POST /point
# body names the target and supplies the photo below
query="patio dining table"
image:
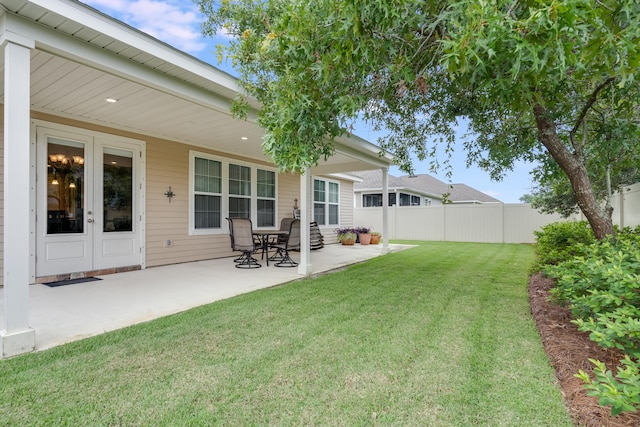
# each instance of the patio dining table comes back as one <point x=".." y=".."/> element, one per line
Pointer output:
<point x="264" y="235"/>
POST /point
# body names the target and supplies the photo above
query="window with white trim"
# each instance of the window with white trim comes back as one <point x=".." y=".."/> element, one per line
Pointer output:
<point x="207" y="190"/>
<point x="221" y="187"/>
<point x="326" y="202"/>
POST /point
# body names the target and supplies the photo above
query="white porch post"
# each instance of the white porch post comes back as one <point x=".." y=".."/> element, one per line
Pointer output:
<point x="16" y="337"/>
<point x="385" y="210"/>
<point x="304" y="267"/>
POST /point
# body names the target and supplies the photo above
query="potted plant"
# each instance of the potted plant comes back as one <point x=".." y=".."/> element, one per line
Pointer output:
<point x="346" y="235"/>
<point x="364" y="235"/>
<point x="375" y="237"/>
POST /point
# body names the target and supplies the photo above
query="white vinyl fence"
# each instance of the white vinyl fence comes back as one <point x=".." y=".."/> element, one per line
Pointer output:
<point x="490" y="223"/>
<point x="626" y="206"/>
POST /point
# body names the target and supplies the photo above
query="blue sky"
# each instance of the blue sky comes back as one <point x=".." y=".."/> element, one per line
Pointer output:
<point x="177" y="22"/>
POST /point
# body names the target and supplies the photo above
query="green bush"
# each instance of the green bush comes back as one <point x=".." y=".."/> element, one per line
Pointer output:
<point x="561" y="241"/>
<point x="621" y="392"/>
<point x="602" y="286"/>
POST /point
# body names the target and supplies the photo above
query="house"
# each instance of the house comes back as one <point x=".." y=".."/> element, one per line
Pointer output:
<point x="119" y="153"/>
<point x="413" y="190"/>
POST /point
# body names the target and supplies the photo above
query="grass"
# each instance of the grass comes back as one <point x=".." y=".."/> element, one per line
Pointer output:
<point x="438" y="335"/>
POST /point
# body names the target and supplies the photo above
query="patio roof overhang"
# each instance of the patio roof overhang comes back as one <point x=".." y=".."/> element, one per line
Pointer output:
<point x="82" y="57"/>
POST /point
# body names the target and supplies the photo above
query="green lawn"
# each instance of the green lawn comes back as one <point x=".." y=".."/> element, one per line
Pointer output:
<point x="438" y="335"/>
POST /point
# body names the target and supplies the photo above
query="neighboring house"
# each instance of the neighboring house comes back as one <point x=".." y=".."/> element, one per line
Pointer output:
<point x="414" y="190"/>
<point x="119" y="153"/>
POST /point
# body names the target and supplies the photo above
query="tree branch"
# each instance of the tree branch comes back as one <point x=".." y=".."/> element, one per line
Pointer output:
<point x="592" y="99"/>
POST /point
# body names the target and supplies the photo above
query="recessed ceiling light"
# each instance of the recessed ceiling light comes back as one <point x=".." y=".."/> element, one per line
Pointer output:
<point x="111" y="100"/>
<point x="244" y="138"/>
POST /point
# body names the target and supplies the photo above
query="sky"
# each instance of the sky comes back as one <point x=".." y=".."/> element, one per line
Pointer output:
<point x="177" y="23"/>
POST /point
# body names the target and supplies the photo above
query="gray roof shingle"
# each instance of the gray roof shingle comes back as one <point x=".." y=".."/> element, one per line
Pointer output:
<point x="423" y="184"/>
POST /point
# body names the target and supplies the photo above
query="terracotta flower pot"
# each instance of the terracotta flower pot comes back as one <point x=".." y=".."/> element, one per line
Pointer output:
<point x="365" y="238"/>
<point x="348" y="242"/>
<point x="375" y="239"/>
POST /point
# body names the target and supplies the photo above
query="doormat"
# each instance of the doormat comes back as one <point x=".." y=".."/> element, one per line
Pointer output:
<point x="71" y="281"/>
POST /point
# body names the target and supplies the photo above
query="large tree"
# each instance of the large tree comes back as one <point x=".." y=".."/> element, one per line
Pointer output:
<point x="525" y="75"/>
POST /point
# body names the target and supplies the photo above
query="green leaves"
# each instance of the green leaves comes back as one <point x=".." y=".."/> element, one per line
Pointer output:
<point x="602" y="287"/>
<point x="523" y="74"/>
<point x="621" y="392"/>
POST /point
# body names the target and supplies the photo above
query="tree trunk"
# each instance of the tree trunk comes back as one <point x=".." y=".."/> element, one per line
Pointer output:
<point x="574" y="167"/>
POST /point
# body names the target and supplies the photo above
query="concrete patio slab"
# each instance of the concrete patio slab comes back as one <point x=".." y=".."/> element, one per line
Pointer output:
<point x="72" y="312"/>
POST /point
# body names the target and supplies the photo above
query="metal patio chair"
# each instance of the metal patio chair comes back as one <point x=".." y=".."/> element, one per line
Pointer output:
<point x="241" y="235"/>
<point x="291" y="244"/>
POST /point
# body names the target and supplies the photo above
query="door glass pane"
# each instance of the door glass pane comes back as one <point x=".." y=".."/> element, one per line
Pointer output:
<point x="117" y="182"/>
<point x="65" y="186"/>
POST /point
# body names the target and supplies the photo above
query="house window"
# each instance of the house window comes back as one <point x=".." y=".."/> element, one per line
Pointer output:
<point x="371" y="200"/>
<point x="405" y="199"/>
<point x="415" y="200"/>
<point x="326" y="202"/>
<point x="222" y="188"/>
<point x="207" y="189"/>
<point x="266" y="198"/>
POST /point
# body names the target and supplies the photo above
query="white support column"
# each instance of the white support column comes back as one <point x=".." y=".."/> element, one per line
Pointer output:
<point x="385" y="210"/>
<point x="304" y="267"/>
<point x="16" y="337"/>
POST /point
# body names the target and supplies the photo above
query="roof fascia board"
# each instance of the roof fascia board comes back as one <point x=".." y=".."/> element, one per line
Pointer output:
<point x="117" y="30"/>
<point x="59" y="44"/>
<point x="405" y="189"/>
<point x="352" y="148"/>
<point x="346" y="177"/>
<point x="363" y="146"/>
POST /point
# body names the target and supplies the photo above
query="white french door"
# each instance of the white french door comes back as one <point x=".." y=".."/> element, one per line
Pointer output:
<point x="89" y="196"/>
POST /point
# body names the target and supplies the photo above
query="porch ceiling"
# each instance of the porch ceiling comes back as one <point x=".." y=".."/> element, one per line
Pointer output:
<point x="161" y="91"/>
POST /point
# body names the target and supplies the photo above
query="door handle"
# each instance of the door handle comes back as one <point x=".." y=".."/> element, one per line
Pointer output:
<point x="89" y="220"/>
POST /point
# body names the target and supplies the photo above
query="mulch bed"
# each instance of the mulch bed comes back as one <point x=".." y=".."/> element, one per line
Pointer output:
<point x="569" y="351"/>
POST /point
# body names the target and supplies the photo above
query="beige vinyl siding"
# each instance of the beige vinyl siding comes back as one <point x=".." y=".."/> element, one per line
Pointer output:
<point x="168" y="165"/>
<point x="288" y="190"/>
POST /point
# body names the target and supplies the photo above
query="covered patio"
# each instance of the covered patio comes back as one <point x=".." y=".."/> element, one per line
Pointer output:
<point x="121" y="151"/>
<point x="72" y="312"/>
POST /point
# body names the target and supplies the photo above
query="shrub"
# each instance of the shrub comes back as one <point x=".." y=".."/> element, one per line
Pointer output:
<point x="602" y="287"/>
<point x="560" y="241"/>
<point x="621" y="391"/>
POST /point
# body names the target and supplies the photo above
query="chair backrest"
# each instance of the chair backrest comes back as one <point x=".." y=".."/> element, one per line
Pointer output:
<point x="285" y="224"/>
<point x="241" y="232"/>
<point x="293" y="241"/>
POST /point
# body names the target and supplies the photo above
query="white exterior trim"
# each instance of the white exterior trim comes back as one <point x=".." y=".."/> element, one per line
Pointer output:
<point x="17" y="337"/>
